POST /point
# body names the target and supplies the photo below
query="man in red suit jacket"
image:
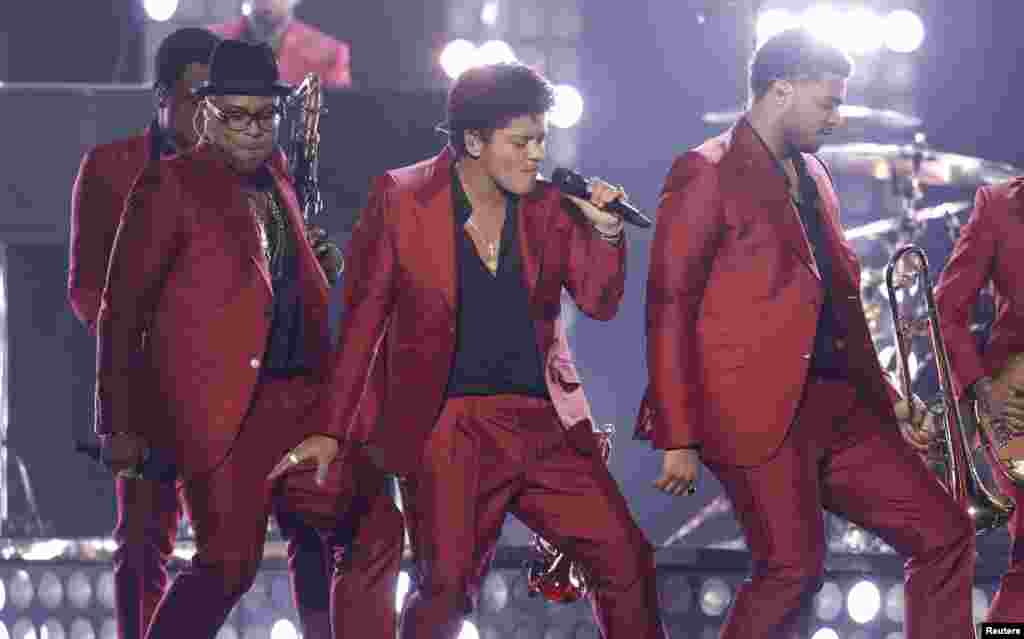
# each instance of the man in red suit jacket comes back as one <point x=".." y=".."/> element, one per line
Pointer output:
<point x="213" y="341"/>
<point x="989" y="249"/>
<point x="761" y="364"/>
<point x="300" y="48"/>
<point x="463" y="259"/>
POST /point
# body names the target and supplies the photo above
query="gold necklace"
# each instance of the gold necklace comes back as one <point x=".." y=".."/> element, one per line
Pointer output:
<point x="491" y="261"/>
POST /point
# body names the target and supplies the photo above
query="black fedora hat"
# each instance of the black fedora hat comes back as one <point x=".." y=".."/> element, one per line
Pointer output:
<point x="243" y="68"/>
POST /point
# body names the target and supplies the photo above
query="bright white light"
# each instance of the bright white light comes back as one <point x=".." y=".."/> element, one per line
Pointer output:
<point x="283" y="629"/>
<point x="160" y="10"/>
<point x="864" y="601"/>
<point x="469" y="631"/>
<point x="82" y="629"/>
<point x="21" y="589"/>
<point x="825" y="22"/>
<point x="979" y="604"/>
<point x="457" y="57"/>
<point x="246" y="9"/>
<point x="45" y="550"/>
<point x="904" y="31"/>
<point x="715" y="596"/>
<point x="51" y="629"/>
<point x="773" y="22"/>
<point x="862" y="31"/>
<point x="825" y="633"/>
<point x="894" y="604"/>
<point x="227" y="631"/>
<point x="3" y="631"/>
<point x="828" y="602"/>
<point x="23" y="629"/>
<point x="568" y="107"/>
<point x="401" y="590"/>
<point x="495" y="52"/>
<point x="489" y="13"/>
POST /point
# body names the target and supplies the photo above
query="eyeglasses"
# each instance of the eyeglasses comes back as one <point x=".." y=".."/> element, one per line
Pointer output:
<point x="240" y="120"/>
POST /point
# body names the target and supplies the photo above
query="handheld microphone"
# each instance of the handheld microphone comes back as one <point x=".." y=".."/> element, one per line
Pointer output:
<point x="572" y="183"/>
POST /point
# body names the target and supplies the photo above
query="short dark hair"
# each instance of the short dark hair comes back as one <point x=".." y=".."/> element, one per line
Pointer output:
<point x="178" y="50"/>
<point x="795" y="54"/>
<point x="487" y="97"/>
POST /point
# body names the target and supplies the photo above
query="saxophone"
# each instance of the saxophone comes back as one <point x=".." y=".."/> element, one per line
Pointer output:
<point x="553" y="575"/>
<point x="304" y="146"/>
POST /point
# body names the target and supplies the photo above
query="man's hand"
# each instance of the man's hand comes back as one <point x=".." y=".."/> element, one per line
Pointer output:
<point x="320" y="449"/>
<point x="601" y="195"/>
<point x="921" y="432"/>
<point x="123" y="452"/>
<point x="327" y="253"/>
<point x="679" y="470"/>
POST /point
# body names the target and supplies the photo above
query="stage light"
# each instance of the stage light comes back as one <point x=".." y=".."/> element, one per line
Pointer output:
<point x="51" y="591"/>
<point x="51" y="629"/>
<point x="21" y="589"/>
<point x="402" y="590"/>
<point x="3" y="588"/>
<point x="283" y="629"/>
<point x="3" y="631"/>
<point x="81" y="628"/>
<point x="494" y="52"/>
<point x="825" y="633"/>
<point x="489" y="13"/>
<point x="457" y="56"/>
<point x="468" y="631"/>
<point x="160" y="10"/>
<point x="863" y="601"/>
<point x="23" y="629"/>
<point x="494" y="593"/>
<point x="568" y="107"/>
<point x="109" y="629"/>
<point x="825" y="22"/>
<point x="862" y="31"/>
<point x="894" y="605"/>
<point x="79" y="590"/>
<point x="227" y="631"/>
<point x="246" y="9"/>
<point x="904" y="31"/>
<point x="773" y="22"/>
<point x="828" y="603"/>
<point x="105" y="589"/>
<point x="979" y="604"/>
<point x="715" y="597"/>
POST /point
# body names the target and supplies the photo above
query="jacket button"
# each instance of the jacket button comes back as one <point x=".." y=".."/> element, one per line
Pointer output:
<point x="269" y="313"/>
<point x="255" y="363"/>
<point x="806" y="356"/>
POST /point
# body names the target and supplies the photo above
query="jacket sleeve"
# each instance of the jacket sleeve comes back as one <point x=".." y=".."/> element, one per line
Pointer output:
<point x="339" y="74"/>
<point x="969" y="268"/>
<point x="95" y="207"/>
<point x="148" y="241"/>
<point x="596" y="277"/>
<point x="368" y="296"/>
<point x="690" y="220"/>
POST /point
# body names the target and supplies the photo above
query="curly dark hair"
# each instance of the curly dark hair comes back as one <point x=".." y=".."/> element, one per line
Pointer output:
<point x="795" y="54"/>
<point x="487" y="97"/>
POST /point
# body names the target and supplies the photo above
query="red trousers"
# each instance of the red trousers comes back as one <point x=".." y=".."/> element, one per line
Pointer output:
<point x="492" y="455"/>
<point x="841" y="457"/>
<point x="229" y="508"/>
<point x="1008" y="604"/>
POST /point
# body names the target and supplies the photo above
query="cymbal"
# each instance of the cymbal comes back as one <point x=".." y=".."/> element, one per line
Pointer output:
<point x="937" y="168"/>
<point x="852" y="114"/>
<point x="880" y="227"/>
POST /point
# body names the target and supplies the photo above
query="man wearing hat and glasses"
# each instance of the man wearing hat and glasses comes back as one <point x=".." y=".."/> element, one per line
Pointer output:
<point x="213" y="343"/>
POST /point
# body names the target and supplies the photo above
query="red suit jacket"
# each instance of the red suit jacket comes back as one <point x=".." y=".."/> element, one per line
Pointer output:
<point x="990" y="247"/>
<point x="184" y="318"/>
<point x="401" y="275"/>
<point x="304" y="49"/>
<point x="733" y="294"/>
<point x="104" y="179"/>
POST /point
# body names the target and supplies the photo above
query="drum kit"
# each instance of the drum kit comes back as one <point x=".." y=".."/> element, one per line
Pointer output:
<point x="907" y="172"/>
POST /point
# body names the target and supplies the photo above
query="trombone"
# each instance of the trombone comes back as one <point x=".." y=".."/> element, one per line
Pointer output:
<point x="988" y="510"/>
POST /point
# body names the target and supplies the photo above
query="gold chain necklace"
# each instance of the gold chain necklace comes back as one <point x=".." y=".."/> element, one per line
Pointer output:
<point x="491" y="261"/>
